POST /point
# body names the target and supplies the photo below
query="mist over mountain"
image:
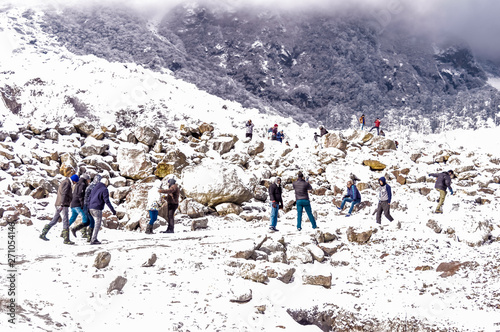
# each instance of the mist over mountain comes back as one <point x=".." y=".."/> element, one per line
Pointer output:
<point x="323" y="65"/>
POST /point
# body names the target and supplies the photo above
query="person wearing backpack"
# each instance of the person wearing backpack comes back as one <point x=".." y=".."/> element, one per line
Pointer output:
<point x="362" y="121"/>
<point x="352" y="195"/>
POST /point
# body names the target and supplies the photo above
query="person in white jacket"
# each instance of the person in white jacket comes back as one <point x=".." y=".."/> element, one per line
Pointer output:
<point x="153" y="205"/>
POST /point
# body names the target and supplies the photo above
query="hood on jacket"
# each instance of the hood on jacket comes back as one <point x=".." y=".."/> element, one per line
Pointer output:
<point x="384" y="181"/>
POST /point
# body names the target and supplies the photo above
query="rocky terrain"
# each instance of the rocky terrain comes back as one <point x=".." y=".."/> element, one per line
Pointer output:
<point x="222" y="270"/>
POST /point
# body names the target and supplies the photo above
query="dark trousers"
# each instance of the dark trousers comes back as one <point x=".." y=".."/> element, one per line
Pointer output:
<point x="378" y="133"/>
<point x="383" y="206"/>
<point x="170" y="216"/>
<point x="249" y="135"/>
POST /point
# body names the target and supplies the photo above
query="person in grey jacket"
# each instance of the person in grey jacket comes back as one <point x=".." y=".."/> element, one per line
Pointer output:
<point x="443" y="182"/>
<point x="301" y="188"/>
<point x="249" y="130"/>
<point x="384" y="200"/>
<point x="63" y="201"/>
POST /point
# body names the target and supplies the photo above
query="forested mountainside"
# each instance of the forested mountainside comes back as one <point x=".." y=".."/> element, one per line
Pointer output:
<point x="317" y="68"/>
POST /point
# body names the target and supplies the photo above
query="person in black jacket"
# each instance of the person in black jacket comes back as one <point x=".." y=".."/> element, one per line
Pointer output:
<point x="301" y="188"/>
<point x="276" y="202"/>
<point x="443" y="182"/>
<point x="98" y="197"/>
<point x="77" y="204"/>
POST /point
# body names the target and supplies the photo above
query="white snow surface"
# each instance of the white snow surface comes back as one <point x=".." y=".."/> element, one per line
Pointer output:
<point x="190" y="286"/>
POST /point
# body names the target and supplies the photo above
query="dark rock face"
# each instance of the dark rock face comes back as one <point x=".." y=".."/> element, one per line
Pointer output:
<point x="313" y="67"/>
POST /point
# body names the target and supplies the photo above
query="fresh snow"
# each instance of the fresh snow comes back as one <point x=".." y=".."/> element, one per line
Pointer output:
<point x="189" y="287"/>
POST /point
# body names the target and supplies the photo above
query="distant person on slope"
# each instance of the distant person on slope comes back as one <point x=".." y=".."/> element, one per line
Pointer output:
<point x="249" y="126"/>
<point x="443" y="182"/>
<point x="276" y="203"/>
<point x="63" y="201"/>
<point x="376" y="126"/>
<point x="274" y="133"/>
<point x="77" y="204"/>
<point x="362" y="121"/>
<point x="352" y="195"/>
<point x="301" y="188"/>
<point x="279" y="136"/>
<point x="384" y="200"/>
<point x="153" y="205"/>
<point x="99" y="197"/>
<point x="173" y="193"/>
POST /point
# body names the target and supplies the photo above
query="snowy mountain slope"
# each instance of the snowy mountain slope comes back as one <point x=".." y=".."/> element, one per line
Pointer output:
<point x="374" y="285"/>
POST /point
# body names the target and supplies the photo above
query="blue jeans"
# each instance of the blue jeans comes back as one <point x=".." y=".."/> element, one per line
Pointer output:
<point x="274" y="214"/>
<point x="90" y="219"/>
<point x="348" y="200"/>
<point x="75" y="211"/>
<point x="304" y="204"/>
<point x="153" y="215"/>
<point x="362" y="126"/>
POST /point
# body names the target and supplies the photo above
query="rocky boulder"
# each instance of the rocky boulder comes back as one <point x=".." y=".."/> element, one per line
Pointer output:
<point x="374" y="165"/>
<point x="192" y="208"/>
<point x="318" y="280"/>
<point x="133" y="162"/>
<point x="147" y="135"/>
<point x="102" y="260"/>
<point x="298" y="254"/>
<point x="255" y="147"/>
<point x="228" y="208"/>
<point x="333" y="140"/>
<point x="82" y="126"/>
<point x="223" y="144"/>
<point x="215" y="183"/>
<point x="93" y="146"/>
<point x="359" y="238"/>
<point x="199" y="223"/>
<point x="173" y="162"/>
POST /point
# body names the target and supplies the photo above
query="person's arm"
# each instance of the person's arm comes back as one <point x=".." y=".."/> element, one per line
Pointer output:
<point x="434" y="175"/>
<point x="105" y="196"/>
<point x="389" y="194"/>
<point x="447" y="183"/>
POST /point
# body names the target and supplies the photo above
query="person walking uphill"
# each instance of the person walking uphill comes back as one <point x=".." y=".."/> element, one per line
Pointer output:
<point x="173" y="193"/>
<point x="275" y="191"/>
<point x="153" y="205"/>
<point x="384" y="200"/>
<point x="301" y="188"/>
<point x="249" y="132"/>
<point x="443" y="182"/>
<point x="98" y="197"/>
<point x="353" y="196"/>
<point x="63" y="201"/>
<point x="77" y="204"/>
<point x="376" y="126"/>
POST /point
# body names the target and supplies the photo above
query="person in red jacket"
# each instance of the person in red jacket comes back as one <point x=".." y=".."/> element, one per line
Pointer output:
<point x="377" y="126"/>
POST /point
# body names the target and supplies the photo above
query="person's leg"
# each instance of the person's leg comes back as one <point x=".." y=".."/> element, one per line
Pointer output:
<point x="56" y="216"/>
<point x="299" y="213"/>
<point x="97" y="214"/>
<point x="309" y="214"/>
<point x="171" y="212"/>
<point x="74" y="214"/>
<point x="274" y="215"/>
<point x="64" y="216"/>
<point x="379" y="213"/>
<point x="442" y="196"/>
<point x="153" y="216"/>
<point x="378" y="132"/>
<point x="345" y="200"/>
<point x="387" y="211"/>
<point x="352" y="205"/>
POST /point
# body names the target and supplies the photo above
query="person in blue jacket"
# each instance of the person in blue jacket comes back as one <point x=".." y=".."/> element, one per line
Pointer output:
<point x="98" y="197"/>
<point x="352" y="195"/>
<point x="384" y="200"/>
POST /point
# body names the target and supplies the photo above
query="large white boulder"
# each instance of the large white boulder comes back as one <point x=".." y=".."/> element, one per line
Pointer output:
<point x="133" y="162"/>
<point x="213" y="183"/>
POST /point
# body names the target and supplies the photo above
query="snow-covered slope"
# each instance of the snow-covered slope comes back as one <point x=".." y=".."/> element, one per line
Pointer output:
<point x="390" y="282"/>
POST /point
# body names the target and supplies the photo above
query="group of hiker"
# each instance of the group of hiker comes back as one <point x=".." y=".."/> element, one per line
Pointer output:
<point x="353" y="196"/>
<point x="376" y="125"/>
<point x="87" y="199"/>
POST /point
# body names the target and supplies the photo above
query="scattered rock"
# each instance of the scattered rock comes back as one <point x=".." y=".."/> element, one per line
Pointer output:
<point x="424" y="268"/>
<point x="432" y="224"/>
<point x="117" y="284"/>
<point x="239" y="295"/>
<point x="318" y="280"/>
<point x="102" y="260"/>
<point x="199" y="223"/>
<point x="374" y="165"/>
<point x="359" y="238"/>
<point x="448" y="269"/>
<point x="150" y="261"/>
<point x="147" y="135"/>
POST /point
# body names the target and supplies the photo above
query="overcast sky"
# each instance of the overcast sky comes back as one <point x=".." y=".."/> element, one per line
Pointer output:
<point x="477" y="21"/>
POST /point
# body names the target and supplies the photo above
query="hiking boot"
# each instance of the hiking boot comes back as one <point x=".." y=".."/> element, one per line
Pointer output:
<point x="77" y="228"/>
<point x="272" y="228"/>
<point x="95" y="242"/>
<point x="168" y="231"/>
<point x="84" y="233"/>
<point x="66" y="237"/>
<point x="45" y="230"/>
<point x="89" y="234"/>
<point x="299" y="229"/>
<point x="348" y="215"/>
<point x="398" y="225"/>
<point x="439" y="211"/>
<point x="149" y="229"/>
